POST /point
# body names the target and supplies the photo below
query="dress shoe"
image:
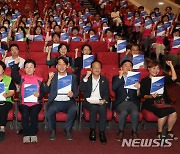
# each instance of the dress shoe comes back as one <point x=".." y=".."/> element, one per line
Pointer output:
<point x="2" y="136"/>
<point x="92" y="135"/>
<point x="134" y="135"/>
<point x="68" y="135"/>
<point x="102" y="137"/>
<point x="120" y="136"/>
<point x="52" y="135"/>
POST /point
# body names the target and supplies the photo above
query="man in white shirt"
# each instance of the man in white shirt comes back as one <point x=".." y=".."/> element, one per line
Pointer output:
<point x="9" y="61"/>
<point x="95" y="89"/>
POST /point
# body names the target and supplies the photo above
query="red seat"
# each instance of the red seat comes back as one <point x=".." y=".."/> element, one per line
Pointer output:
<point x="36" y="46"/>
<point x="11" y="114"/>
<point x="8" y="71"/>
<point x="99" y="46"/>
<point x="149" y="116"/>
<point x="116" y="117"/>
<point x="61" y="116"/>
<point x="39" y="57"/>
<point x="22" y="45"/>
<point x="86" y="115"/>
<point x="21" y="54"/>
<point x="74" y="45"/>
<point x="108" y="58"/>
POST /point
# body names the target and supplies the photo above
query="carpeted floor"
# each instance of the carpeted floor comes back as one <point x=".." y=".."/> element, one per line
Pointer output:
<point x="81" y="145"/>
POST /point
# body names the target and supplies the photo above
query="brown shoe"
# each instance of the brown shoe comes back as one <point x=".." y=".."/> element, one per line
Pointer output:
<point x="120" y="136"/>
<point x="134" y="135"/>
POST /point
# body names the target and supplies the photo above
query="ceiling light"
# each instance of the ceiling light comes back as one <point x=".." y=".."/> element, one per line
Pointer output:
<point x="160" y="3"/>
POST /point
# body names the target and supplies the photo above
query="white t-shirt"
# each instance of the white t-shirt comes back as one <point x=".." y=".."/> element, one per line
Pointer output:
<point x="9" y="61"/>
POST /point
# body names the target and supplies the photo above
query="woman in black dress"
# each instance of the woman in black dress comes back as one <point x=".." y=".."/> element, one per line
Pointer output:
<point x="164" y="114"/>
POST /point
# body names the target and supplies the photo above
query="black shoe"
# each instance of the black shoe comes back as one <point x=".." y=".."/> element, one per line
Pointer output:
<point x="68" y="135"/>
<point x="2" y="136"/>
<point x="120" y="136"/>
<point x="134" y="135"/>
<point x="52" y="135"/>
<point x="102" y="137"/>
<point x="92" y="135"/>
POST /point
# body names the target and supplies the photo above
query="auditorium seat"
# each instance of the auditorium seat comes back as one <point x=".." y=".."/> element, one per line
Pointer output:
<point x="108" y="58"/>
<point x="99" y="46"/>
<point x="39" y="57"/>
<point x="36" y="46"/>
<point x="22" y="45"/>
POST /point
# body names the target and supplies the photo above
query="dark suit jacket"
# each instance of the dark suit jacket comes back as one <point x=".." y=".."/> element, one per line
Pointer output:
<point x="86" y="87"/>
<point x="121" y="93"/>
<point x="52" y="89"/>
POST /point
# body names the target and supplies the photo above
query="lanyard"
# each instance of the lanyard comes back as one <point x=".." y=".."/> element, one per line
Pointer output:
<point x="95" y="87"/>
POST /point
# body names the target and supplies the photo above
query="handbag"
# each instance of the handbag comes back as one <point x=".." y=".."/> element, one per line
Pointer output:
<point x="159" y="102"/>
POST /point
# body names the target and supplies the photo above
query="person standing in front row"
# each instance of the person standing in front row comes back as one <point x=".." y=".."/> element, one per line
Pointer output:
<point x="29" y="108"/>
<point x="61" y="102"/>
<point x="126" y="100"/>
<point x="95" y="86"/>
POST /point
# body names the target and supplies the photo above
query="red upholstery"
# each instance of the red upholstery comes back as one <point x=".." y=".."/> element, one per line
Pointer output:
<point x="86" y="115"/>
<point x="39" y="57"/>
<point x="149" y="116"/>
<point x="22" y="45"/>
<point x="36" y="46"/>
<point x="116" y="117"/>
<point x="108" y="58"/>
<point x="11" y="114"/>
<point x="99" y="46"/>
<point x="8" y="71"/>
<point x="61" y="116"/>
<point x="74" y="45"/>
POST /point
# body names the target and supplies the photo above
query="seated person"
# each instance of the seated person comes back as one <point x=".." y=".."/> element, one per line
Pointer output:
<point x="9" y="61"/>
<point x="62" y="49"/>
<point x="6" y="102"/>
<point x="94" y="85"/>
<point x="166" y="114"/>
<point x="28" y="108"/>
<point x="78" y="62"/>
<point x="61" y="102"/>
<point x="126" y="101"/>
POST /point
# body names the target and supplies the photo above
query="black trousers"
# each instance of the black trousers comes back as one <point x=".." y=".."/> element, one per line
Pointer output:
<point x="4" y="109"/>
<point x="94" y="109"/>
<point x="30" y="119"/>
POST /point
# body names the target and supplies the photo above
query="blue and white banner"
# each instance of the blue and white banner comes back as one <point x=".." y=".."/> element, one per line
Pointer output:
<point x="38" y="38"/>
<point x="58" y="6"/>
<point x="19" y="37"/>
<point x="104" y="20"/>
<point x="176" y="42"/>
<point x="137" y="22"/>
<point x="65" y="37"/>
<point x="57" y="19"/>
<point x="121" y="46"/>
<point x="88" y="14"/>
<point x="155" y="19"/>
<point x="10" y="63"/>
<point x="28" y="22"/>
<point x="14" y="17"/>
<point x="132" y="79"/>
<point x="2" y="51"/>
<point x="161" y="30"/>
<point x="64" y="84"/>
<point x="93" y="38"/>
<point x="29" y="90"/>
<point x="87" y="60"/>
<point x="167" y="25"/>
<point x="76" y="39"/>
<point x="18" y="14"/>
<point x="148" y="24"/>
<point x="55" y="47"/>
<point x="158" y="14"/>
<point x="105" y="28"/>
<point x="2" y="91"/>
<point x="81" y="24"/>
<point x="130" y="15"/>
<point x="86" y="28"/>
<point x="4" y="36"/>
<point x="157" y="85"/>
<point x="123" y="3"/>
<point x="143" y="13"/>
<point x="84" y="18"/>
<point x="138" y="60"/>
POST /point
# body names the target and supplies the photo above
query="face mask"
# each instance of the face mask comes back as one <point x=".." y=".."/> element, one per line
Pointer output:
<point x="6" y="25"/>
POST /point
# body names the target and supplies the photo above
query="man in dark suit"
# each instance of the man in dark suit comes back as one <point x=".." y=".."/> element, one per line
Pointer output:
<point x="126" y="100"/>
<point x="95" y="89"/>
<point x="61" y="102"/>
